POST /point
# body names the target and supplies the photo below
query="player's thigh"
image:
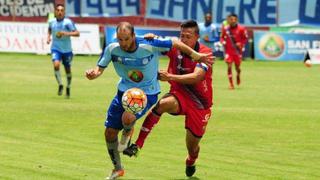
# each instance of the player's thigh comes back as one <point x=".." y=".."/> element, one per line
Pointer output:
<point x="196" y="120"/>
<point x="228" y="58"/>
<point x="169" y="104"/>
<point x="114" y="114"/>
<point x="67" y="60"/>
<point x="128" y="118"/>
<point x="56" y="55"/>
<point x="237" y="60"/>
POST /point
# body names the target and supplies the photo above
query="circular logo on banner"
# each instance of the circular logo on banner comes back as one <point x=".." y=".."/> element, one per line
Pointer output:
<point x="271" y="46"/>
<point x="135" y="75"/>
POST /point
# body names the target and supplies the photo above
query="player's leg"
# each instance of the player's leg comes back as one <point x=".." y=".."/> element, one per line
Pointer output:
<point x="196" y="122"/>
<point x="238" y="70"/>
<point x="111" y="137"/>
<point x="67" y="59"/>
<point x="168" y="104"/>
<point x="113" y="125"/>
<point x="56" y="59"/>
<point x="193" y="147"/>
<point x="229" y="60"/>
<point x="231" y="86"/>
<point x="128" y="121"/>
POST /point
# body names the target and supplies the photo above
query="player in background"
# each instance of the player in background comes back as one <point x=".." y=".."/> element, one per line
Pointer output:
<point x="208" y="32"/>
<point x="61" y="29"/>
<point x="190" y="95"/>
<point x="233" y="37"/>
<point x="135" y="60"/>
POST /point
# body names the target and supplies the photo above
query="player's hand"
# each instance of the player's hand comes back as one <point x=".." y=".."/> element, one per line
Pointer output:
<point x="60" y="34"/>
<point x="163" y="75"/>
<point x="239" y="45"/>
<point x="48" y="40"/>
<point x="150" y="36"/>
<point x="91" y="74"/>
<point x="208" y="59"/>
<point x="206" y="38"/>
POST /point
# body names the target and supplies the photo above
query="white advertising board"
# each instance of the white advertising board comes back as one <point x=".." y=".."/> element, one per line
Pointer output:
<point x="32" y="38"/>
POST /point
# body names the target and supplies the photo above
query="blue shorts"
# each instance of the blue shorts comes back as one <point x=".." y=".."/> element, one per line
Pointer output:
<point x="66" y="58"/>
<point x="116" y="110"/>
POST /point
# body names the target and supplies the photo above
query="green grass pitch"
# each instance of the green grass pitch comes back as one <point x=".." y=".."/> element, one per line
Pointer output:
<point x="266" y="129"/>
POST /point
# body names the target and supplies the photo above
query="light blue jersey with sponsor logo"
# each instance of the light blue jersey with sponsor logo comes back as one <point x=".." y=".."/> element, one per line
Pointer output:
<point x="62" y="44"/>
<point x="139" y="68"/>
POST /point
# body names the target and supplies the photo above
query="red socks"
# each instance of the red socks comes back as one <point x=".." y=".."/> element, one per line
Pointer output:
<point x="146" y="128"/>
<point x="191" y="158"/>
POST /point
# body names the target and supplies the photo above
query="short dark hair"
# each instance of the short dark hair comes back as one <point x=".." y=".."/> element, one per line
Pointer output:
<point x="57" y="5"/>
<point x="125" y="25"/>
<point x="190" y="24"/>
<point x="233" y="15"/>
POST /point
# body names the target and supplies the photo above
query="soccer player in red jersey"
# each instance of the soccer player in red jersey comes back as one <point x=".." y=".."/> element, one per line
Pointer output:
<point x="233" y="37"/>
<point x="190" y="95"/>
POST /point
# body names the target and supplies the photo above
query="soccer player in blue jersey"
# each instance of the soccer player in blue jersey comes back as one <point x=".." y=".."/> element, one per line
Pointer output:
<point x="208" y="32"/>
<point x="61" y="29"/>
<point x="133" y="55"/>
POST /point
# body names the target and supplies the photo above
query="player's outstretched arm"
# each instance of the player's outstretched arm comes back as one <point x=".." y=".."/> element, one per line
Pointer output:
<point x="208" y="59"/>
<point x="94" y="73"/>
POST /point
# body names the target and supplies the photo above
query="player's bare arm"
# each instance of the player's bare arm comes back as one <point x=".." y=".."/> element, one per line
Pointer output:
<point x="64" y="33"/>
<point x="208" y="59"/>
<point x="49" y="36"/>
<point x="94" y="73"/>
<point x="192" y="78"/>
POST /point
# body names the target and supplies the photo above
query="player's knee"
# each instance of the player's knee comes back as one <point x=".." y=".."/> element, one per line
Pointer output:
<point x="161" y="106"/>
<point x="128" y="118"/>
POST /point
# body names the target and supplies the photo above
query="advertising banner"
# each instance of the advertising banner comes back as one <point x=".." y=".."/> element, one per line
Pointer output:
<point x="26" y="8"/>
<point x="250" y="12"/>
<point x="32" y="38"/>
<point x="108" y="8"/>
<point x="283" y="46"/>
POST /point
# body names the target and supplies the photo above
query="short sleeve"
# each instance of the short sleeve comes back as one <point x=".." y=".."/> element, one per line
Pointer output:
<point x="105" y="57"/>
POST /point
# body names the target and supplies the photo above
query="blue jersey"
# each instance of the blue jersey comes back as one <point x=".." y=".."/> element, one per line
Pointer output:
<point x="211" y="32"/>
<point x="62" y="44"/>
<point x="139" y="68"/>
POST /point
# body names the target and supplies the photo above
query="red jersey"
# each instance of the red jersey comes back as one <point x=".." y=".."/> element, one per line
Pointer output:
<point x="230" y="36"/>
<point x="201" y="92"/>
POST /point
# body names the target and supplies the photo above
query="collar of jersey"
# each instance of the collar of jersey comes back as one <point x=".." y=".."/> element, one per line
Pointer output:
<point x="59" y="20"/>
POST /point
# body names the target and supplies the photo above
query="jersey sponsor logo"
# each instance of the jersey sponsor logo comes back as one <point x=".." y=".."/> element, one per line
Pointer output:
<point x="132" y="61"/>
<point x="205" y="121"/>
<point x="135" y="75"/>
<point x="145" y="61"/>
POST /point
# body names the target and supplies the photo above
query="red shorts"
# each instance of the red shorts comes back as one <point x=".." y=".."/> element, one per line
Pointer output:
<point x="230" y="58"/>
<point x="196" y="120"/>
